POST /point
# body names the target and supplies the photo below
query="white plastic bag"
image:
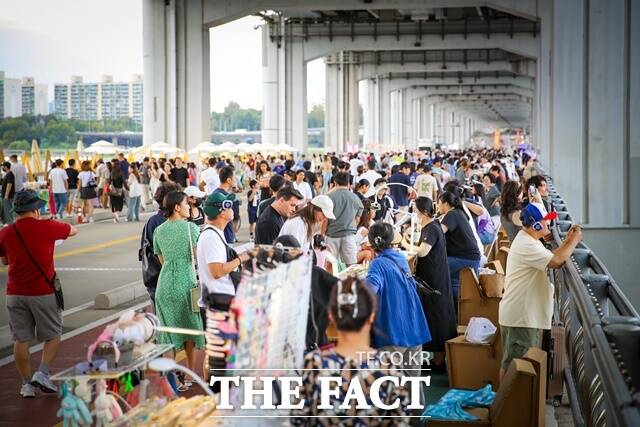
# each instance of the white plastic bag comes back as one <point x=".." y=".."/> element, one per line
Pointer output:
<point x="480" y="330"/>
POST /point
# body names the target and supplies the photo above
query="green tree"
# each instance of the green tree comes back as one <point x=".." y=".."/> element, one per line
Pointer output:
<point x="20" y="145"/>
<point x="59" y="134"/>
<point x="235" y="117"/>
<point x="315" y="118"/>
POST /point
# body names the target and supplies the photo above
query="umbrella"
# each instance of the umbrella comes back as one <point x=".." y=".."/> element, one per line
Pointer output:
<point x="160" y="146"/>
<point x="37" y="160"/>
<point x="204" y="147"/>
<point x="258" y="147"/>
<point x="27" y="164"/>
<point x="228" y="147"/>
<point x="285" y="148"/>
<point x="243" y="147"/>
<point x="76" y="155"/>
<point x="47" y="159"/>
<point x="101" y="147"/>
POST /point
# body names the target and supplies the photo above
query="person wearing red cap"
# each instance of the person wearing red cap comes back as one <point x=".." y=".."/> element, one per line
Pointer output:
<point x="527" y="304"/>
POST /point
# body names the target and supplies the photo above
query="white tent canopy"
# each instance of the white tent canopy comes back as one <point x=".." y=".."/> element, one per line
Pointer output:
<point x="227" y="147"/>
<point x="163" y="147"/>
<point x="284" y="147"/>
<point x="243" y="147"/>
<point x="101" y="147"/>
<point x="204" y="147"/>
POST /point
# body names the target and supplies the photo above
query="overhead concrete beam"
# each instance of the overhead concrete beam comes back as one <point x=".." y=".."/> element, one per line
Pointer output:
<point x="218" y="12"/>
<point x="368" y="71"/>
<point x="422" y="91"/>
<point x="399" y="83"/>
<point x="521" y="44"/>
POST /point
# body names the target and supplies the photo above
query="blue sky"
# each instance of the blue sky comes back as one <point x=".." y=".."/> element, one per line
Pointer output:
<point x="51" y="40"/>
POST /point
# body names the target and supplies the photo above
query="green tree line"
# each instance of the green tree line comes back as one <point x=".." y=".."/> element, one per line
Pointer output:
<point x="235" y="117"/>
<point x="16" y="133"/>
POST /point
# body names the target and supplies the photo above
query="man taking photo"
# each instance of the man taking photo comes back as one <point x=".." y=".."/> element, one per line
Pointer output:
<point x="526" y="307"/>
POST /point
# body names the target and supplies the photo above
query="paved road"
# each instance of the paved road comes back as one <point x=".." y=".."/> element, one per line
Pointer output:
<point x="102" y="256"/>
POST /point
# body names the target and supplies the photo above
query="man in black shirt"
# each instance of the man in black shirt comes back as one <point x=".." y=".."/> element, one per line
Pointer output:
<point x="276" y="182"/>
<point x="271" y="219"/>
<point x="72" y="180"/>
<point x="179" y="174"/>
<point x="8" y="191"/>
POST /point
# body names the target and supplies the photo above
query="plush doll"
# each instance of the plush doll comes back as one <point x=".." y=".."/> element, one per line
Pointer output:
<point x="73" y="411"/>
<point x="106" y="406"/>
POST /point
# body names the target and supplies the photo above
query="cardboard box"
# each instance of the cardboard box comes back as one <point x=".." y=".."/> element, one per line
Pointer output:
<point x="493" y="284"/>
<point x="472" y="301"/>
<point x="538" y="358"/>
<point x="471" y="366"/>
<point x="516" y="402"/>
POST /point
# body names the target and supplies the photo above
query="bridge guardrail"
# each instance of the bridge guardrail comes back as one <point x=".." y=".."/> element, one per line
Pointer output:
<point x="602" y="335"/>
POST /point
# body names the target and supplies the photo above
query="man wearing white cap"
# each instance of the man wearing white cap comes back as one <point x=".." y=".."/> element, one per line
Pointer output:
<point x="305" y="221"/>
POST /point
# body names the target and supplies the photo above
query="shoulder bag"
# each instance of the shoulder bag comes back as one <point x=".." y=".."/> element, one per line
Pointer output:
<point x="89" y="191"/>
<point x="150" y="265"/>
<point x="194" y="292"/>
<point x="216" y="300"/>
<point x="422" y="287"/>
<point x="54" y="282"/>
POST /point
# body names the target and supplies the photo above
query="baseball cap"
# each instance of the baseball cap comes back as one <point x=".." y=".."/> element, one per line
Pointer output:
<point x="215" y="203"/>
<point x="324" y="203"/>
<point x="193" y="191"/>
<point x="533" y="212"/>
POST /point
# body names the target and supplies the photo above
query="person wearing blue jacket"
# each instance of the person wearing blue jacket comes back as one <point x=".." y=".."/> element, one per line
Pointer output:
<point x="400" y="325"/>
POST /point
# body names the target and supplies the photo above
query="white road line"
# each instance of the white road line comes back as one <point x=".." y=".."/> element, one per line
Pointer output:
<point x="79" y="331"/>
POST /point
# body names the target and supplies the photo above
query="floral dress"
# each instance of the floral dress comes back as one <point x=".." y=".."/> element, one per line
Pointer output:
<point x="173" y="301"/>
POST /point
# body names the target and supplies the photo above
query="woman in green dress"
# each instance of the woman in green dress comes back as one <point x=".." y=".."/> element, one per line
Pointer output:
<point x="173" y="301"/>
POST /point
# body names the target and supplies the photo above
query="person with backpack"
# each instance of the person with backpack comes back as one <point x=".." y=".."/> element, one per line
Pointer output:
<point x="150" y="264"/>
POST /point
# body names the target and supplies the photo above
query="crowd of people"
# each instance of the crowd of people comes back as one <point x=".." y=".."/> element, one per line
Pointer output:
<point x="445" y="206"/>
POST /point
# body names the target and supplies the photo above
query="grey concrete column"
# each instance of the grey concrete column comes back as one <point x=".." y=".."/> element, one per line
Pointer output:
<point x="369" y="110"/>
<point x="176" y="74"/>
<point x="594" y="150"/>
<point x="384" y="121"/>
<point x="333" y="105"/>
<point x="407" y="123"/>
<point x="296" y="94"/>
<point x="270" y="83"/>
<point x="352" y="105"/>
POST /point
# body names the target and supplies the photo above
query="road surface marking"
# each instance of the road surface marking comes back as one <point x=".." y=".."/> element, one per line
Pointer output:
<point x="91" y="248"/>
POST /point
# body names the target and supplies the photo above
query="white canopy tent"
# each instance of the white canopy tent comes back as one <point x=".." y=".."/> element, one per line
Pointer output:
<point x="101" y="147"/>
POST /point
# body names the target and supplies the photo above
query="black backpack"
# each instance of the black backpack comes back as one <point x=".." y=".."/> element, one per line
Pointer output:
<point x="150" y="265"/>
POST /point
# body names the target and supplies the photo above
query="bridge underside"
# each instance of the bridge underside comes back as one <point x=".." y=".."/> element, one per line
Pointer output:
<point x="435" y="72"/>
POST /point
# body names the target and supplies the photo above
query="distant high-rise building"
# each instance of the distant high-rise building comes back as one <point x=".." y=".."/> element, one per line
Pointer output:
<point x="104" y="100"/>
<point x="10" y="97"/>
<point x="33" y="97"/>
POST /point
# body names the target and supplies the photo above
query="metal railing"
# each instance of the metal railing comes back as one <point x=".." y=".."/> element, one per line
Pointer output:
<point x="602" y="373"/>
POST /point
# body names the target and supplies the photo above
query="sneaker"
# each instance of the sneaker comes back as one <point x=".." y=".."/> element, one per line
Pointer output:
<point x="91" y="219"/>
<point x="40" y="379"/>
<point x="27" y="391"/>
